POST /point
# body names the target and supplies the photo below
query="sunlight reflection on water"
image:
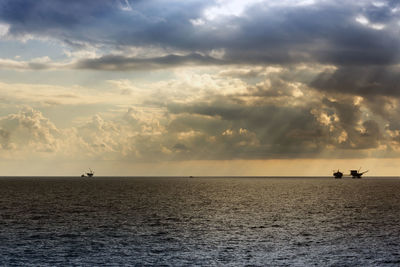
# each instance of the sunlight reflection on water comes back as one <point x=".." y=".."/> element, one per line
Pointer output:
<point x="203" y="221"/>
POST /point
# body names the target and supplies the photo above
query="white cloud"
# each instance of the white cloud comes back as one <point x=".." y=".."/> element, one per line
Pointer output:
<point x="228" y="8"/>
<point x="125" y="5"/>
<point x="29" y="133"/>
<point x="364" y="21"/>
<point x="237" y="7"/>
<point x="197" y="22"/>
<point x="81" y="54"/>
<point x="379" y="4"/>
<point x="40" y="63"/>
<point x="4" y="28"/>
<point x="378" y="26"/>
<point x="218" y="53"/>
<point x="28" y="130"/>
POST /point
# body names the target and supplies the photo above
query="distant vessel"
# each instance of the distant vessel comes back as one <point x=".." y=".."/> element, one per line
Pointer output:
<point x="337" y="174"/>
<point x="88" y="174"/>
<point x="356" y="173"/>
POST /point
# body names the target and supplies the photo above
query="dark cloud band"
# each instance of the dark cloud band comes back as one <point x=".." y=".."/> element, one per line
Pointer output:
<point x="121" y="63"/>
<point x="327" y="32"/>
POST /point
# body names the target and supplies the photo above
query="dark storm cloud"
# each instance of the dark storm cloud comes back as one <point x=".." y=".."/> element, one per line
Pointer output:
<point x="325" y="32"/>
<point x="57" y="18"/>
<point x="224" y="127"/>
<point x="180" y="147"/>
<point x="131" y="63"/>
<point x="267" y="131"/>
<point x="359" y="134"/>
<point x="366" y="81"/>
<point x="99" y="22"/>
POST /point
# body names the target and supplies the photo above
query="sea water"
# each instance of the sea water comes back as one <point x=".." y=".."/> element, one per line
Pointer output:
<point x="199" y="221"/>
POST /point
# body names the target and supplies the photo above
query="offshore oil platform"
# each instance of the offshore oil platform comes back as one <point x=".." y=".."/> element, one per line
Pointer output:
<point x="355" y="174"/>
<point x="90" y="173"/>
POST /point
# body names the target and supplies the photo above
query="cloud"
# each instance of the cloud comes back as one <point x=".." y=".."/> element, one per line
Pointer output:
<point x="44" y="18"/>
<point x="28" y="133"/>
<point x="35" y="64"/>
<point x="118" y="63"/>
<point x="251" y="131"/>
<point x="259" y="32"/>
<point x="114" y="63"/>
<point x="4" y="29"/>
<point x="348" y="127"/>
<point x="221" y="128"/>
<point x="234" y="80"/>
<point x="28" y="130"/>
<point x="244" y="113"/>
<point x="361" y="80"/>
<point x="265" y="130"/>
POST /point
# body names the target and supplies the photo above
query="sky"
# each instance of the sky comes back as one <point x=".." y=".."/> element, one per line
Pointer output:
<point x="199" y="87"/>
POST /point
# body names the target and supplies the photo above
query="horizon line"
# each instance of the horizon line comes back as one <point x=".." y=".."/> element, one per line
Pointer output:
<point x="189" y="176"/>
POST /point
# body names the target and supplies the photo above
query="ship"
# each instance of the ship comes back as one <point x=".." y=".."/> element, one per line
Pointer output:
<point x="88" y="174"/>
<point x="337" y="174"/>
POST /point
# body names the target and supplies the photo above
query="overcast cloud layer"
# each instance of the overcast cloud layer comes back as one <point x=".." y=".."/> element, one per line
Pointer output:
<point x="176" y="80"/>
<point x="265" y="32"/>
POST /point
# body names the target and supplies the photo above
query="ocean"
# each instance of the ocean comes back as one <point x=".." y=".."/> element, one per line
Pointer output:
<point x="177" y="221"/>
